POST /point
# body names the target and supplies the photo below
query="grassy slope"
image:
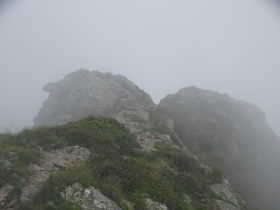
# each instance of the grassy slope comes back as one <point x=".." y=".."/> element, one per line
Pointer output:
<point x="116" y="168"/>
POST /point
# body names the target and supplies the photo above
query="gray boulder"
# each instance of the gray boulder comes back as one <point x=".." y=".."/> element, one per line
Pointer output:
<point x="53" y="160"/>
<point x="226" y="192"/>
<point x="88" y="198"/>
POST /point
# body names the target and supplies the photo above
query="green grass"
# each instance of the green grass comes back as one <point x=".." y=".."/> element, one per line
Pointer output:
<point x="119" y="171"/>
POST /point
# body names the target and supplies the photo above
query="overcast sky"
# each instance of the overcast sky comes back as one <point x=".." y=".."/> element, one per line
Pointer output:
<point x="229" y="46"/>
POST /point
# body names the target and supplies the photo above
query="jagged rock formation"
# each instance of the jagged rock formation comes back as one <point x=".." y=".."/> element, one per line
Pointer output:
<point x="231" y="134"/>
<point x="85" y="93"/>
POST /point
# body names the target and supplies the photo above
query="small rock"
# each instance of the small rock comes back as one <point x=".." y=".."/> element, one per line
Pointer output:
<point x="14" y="175"/>
<point x="187" y="199"/>
<point x="225" y="206"/>
<point x="28" y="193"/>
<point x="4" y="192"/>
<point x="13" y="156"/>
<point x="225" y="191"/>
<point x="164" y="137"/>
<point x="128" y="204"/>
<point x="152" y="205"/>
<point x="14" y="202"/>
<point x="88" y="198"/>
<point x="7" y="164"/>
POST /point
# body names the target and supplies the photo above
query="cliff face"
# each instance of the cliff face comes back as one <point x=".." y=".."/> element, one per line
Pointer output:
<point x="85" y="93"/>
<point x="231" y="134"/>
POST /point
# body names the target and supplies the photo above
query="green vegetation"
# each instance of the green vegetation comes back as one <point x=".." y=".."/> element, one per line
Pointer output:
<point x="116" y="168"/>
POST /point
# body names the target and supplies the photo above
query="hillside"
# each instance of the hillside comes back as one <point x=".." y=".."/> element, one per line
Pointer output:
<point x="230" y="134"/>
<point x="197" y="150"/>
<point x="75" y="165"/>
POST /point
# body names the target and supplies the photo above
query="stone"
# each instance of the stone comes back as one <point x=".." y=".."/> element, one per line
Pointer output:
<point x="53" y="161"/>
<point x="225" y="206"/>
<point x="7" y="164"/>
<point x="225" y="191"/>
<point x="68" y="156"/>
<point x="12" y="156"/>
<point x="128" y="204"/>
<point x="169" y="123"/>
<point x="28" y="193"/>
<point x="164" y="137"/>
<point x="13" y="203"/>
<point x="88" y="198"/>
<point x="4" y="192"/>
<point x="187" y="199"/>
<point x="14" y="175"/>
<point x="152" y="205"/>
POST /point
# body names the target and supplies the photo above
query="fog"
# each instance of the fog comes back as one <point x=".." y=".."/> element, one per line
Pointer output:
<point x="162" y="46"/>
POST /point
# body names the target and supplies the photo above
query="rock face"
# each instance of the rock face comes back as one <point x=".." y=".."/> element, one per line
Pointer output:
<point x="88" y="198"/>
<point x="53" y="160"/>
<point x="225" y="191"/>
<point x="148" y="141"/>
<point x="85" y="93"/>
<point x="233" y="134"/>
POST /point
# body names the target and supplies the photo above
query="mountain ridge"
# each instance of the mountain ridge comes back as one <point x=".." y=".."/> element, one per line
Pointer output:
<point x="241" y="137"/>
<point x="193" y="133"/>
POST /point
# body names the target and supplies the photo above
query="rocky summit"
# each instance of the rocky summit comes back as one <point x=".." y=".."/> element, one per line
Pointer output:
<point x="231" y="134"/>
<point x="100" y="142"/>
<point x="84" y="93"/>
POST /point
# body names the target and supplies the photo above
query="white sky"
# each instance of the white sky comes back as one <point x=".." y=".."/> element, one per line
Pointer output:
<point x="229" y="46"/>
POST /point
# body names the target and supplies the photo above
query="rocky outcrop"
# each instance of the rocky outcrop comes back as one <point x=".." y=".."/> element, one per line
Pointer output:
<point x="52" y="161"/>
<point x="88" y="198"/>
<point x="85" y="93"/>
<point x="226" y="192"/>
<point x="152" y="205"/>
<point x="225" y="206"/>
<point x="148" y="141"/>
<point x="233" y="134"/>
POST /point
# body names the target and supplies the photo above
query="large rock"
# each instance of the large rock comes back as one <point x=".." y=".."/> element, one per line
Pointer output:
<point x="225" y="191"/>
<point x="53" y="161"/>
<point x="88" y="198"/>
<point x="85" y="93"/>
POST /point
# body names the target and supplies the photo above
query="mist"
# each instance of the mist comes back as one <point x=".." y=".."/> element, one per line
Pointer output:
<point x="231" y="47"/>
